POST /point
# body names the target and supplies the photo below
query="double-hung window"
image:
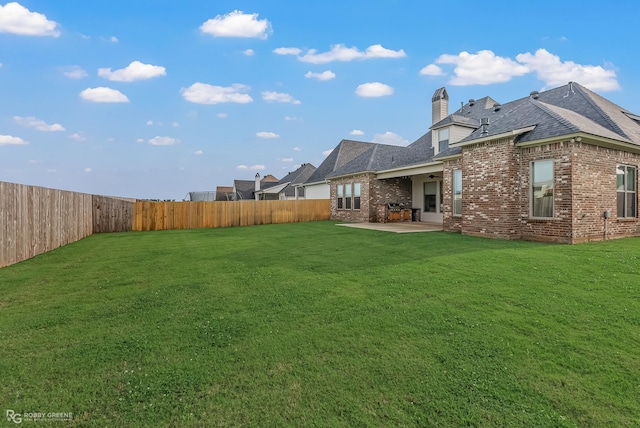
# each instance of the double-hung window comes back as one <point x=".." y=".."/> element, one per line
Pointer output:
<point x="340" y="196"/>
<point x="347" y="196"/>
<point x="457" y="192"/>
<point x="356" y="196"/>
<point x="542" y="188"/>
<point x="626" y="188"/>
<point x="443" y="139"/>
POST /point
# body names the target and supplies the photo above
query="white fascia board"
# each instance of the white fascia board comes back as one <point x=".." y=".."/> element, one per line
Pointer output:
<point x="586" y="138"/>
<point x="494" y="137"/>
<point x="411" y="170"/>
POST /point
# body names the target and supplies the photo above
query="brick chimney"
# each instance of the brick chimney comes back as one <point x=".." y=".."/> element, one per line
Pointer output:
<point x="439" y="105"/>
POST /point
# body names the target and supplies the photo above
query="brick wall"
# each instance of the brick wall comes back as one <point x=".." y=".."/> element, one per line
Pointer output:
<point x="594" y="192"/>
<point x="450" y="222"/>
<point x="496" y="192"/>
<point x="559" y="228"/>
<point x="491" y="190"/>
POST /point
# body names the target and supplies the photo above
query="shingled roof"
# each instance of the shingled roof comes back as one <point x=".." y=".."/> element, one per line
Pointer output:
<point x="342" y="154"/>
<point x="566" y="110"/>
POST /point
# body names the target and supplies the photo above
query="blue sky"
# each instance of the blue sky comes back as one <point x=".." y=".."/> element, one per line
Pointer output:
<point x="156" y="98"/>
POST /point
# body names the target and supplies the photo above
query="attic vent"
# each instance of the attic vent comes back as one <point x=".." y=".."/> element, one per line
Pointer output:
<point x="496" y="107"/>
<point x="471" y="102"/>
<point x="534" y="94"/>
<point x="484" y="124"/>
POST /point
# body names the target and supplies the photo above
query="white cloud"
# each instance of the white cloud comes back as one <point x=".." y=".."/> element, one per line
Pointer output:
<point x="88" y="170"/>
<point x="202" y="93"/>
<point x="277" y="97"/>
<point x="356" y="132"/>
<point x="252" y="167"/>
<point x="35" y="161"/>
<point x="374" y="89"/>
<point x="134" y="71"/>
<point x="139" y="140"/>
<point x="113" y="39"/>
<point x="291" y="118"/>
<point x="222" y="115"/>
<point x="102" y="94"/>
<point x="175" y="124"/>
<point x="74" y="72"/>
<point x="325" y="75"/>
<point x="267" y="135"/>
<point x="163" y="141"/>
<point x="40" y="125"/>
<point x="9" y="140"/>
<point x="249" y="52"/>
<point x="17" y="19"/>
<point x="237" y="24"/>
<point x="198" y="152"/>
<point x="554" y="72"/>
<point x="149" y="122"/>
<point x="286" y="159"/>
<point x="482" y="68"/>
<point x="287" y="51"/>
<point x="342" y="53"/>
<point x="297" y="149"/>
<point x="485" y="67"/>
<point x="78" y="137"/>
<point x="432" y="70"/>
<point x="327" y="152"/>
<point x="390" y="138"/>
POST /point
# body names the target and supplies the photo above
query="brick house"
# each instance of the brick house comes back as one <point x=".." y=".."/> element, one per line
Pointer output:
<point x="557" y="166"/>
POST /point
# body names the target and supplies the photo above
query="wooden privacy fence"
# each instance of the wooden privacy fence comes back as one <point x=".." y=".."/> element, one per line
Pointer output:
<point x="34" y="220"/>
<point x="191" y="215"/>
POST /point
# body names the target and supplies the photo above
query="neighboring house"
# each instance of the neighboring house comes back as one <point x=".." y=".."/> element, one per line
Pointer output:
<point x="224" y="193"/>
<point x="246" y="189"/>
<point x="317" y="185"/>
<point x="286" y="188"/>
<point x="559" y="166"/>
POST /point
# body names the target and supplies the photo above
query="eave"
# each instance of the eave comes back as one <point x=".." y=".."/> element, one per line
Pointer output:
<point x="586" y="138"/>
<point x="425" y="168"/>
<point x="494" y="137"/>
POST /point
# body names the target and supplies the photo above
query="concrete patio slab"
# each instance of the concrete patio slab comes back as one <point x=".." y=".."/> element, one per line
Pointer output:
<point x="397" y="227"/>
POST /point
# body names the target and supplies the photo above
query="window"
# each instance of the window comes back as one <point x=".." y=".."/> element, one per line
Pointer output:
<point x="457" y="192"/>
<point x="430" y="189"/>
<point x="339" y="195"/>
<point x="356" y="196"/>
<point x="626" y="187"/>
<point x="542" y="188"/>
<point x="443" y="140"/>
<point x="347" y="196"/>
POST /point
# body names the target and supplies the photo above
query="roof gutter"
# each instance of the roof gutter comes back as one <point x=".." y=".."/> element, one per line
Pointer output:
<point x="587" y="138"/>
<point x="494" y="137"/>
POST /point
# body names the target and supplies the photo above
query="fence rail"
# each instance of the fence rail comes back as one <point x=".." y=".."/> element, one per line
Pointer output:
<point x="191" y="215"/>
<point x="34" y="220"/>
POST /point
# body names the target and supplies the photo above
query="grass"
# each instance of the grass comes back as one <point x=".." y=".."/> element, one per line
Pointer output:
<point x="310" y="324"/>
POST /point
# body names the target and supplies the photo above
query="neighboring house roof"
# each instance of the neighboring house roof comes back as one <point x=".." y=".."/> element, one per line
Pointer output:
<point x="224" y="193"/>
<point x="343" y="153"/>
<point x="298" y="176"/>
<point x="244" y="188"/>
<point x="269" y="179"/>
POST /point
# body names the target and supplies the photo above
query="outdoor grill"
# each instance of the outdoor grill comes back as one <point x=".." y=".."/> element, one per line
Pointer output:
<point x="397" y="212"/>
<point x="394" y="207"/>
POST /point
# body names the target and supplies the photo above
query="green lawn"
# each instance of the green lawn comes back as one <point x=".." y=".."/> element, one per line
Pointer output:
<point x="310" y="324"/>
